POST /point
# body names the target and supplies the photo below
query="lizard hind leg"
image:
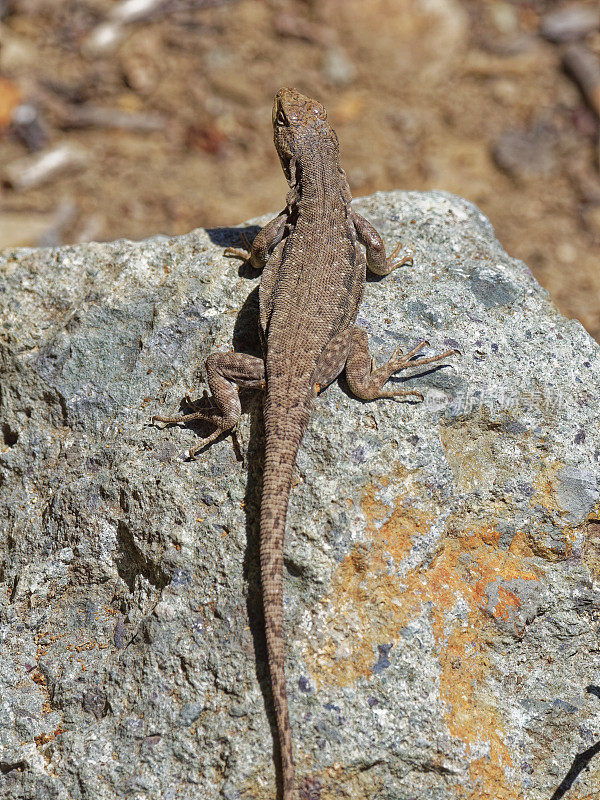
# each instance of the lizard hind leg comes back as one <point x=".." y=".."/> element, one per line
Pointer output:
<point x="332" y="360"/>
<point x="224" y="371"/>
<point x="366" y="380"/>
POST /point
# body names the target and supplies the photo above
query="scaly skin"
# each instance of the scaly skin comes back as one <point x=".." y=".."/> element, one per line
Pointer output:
<point x="314" y="273"/>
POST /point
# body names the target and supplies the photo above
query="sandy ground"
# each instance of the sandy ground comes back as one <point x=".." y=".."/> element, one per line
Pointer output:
<point x="166" y="119"/>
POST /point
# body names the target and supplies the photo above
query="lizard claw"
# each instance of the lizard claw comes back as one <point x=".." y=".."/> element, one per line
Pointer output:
<point x="398" y="393"/>
<point x="231" y="252"/>
<point x="393" y="261"/>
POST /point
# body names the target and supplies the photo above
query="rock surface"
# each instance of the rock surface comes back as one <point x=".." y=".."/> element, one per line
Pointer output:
<point x="443" y="559"/>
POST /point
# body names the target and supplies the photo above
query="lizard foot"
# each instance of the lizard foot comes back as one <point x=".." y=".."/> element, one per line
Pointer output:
<point x="370" y="387"/>
<point x="243" y="255"/>
<point x="189" y="455"/>
<point x="203" y="409"/>
<point x="204" y="416"/>
<point x="202" y="403"/>
<point x="400" y="360"/>
<point x="222" y="425"/>
<point x="393" y="261"/>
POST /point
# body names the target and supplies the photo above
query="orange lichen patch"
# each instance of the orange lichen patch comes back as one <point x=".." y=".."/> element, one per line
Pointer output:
<point x="396" y="526"/>
<point x="488" y="781"/>
<point x="470" y="451"/>
<point x="546" y="485"/>
<point x="591" y="545"/>
<point x="370" y="603"/>
<point x="465" y="568"/>
<point x="10" y="97"/>
<point x="44" y="738"/>
<point x="375" y="510"/>
<point x="38" y="678"/>
<point x="365" y="594"/>
<point x="360" y="613"/>
<point x="520" y="546"/>
<point x="507" y="601"/>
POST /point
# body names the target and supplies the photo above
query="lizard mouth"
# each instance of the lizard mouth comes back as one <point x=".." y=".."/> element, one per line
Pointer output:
<point x="286" y="163"/>
<point x="290" y="168"/>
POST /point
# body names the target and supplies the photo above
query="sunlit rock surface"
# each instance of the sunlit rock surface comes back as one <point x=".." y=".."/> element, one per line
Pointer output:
<point x="442" y="559"/>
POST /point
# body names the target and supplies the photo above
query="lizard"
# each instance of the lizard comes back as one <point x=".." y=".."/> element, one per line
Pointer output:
<point x="313" y="278"/>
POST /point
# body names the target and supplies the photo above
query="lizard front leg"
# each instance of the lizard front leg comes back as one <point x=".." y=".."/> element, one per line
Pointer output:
<point x="375" y="248"/>
<point x="224" y="371"/>
<point x="262" y="244"/>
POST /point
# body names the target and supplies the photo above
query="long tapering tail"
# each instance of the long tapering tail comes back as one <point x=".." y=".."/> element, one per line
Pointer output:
<point x="283" y="439"/>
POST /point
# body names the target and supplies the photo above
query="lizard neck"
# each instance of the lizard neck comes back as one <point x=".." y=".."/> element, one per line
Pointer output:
<point x="320" y="183"/>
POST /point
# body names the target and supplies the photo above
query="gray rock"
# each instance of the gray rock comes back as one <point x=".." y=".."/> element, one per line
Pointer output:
<point x="442" y="560"/>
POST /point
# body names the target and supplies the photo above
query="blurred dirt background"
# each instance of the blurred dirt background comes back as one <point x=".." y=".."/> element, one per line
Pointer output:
<point x="130" y="118"/>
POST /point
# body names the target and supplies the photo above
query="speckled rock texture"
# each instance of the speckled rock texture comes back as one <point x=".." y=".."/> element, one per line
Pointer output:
<point x="442" y="559"/>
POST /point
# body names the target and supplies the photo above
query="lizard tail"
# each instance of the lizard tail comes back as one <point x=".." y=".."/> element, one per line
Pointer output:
<point x="280" y="456"/>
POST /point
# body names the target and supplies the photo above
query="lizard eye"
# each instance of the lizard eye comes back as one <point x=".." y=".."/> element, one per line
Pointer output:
<point x="280" y="118"/>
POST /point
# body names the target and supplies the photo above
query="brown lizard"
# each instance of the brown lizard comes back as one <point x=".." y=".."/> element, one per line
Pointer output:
<point x="313" y="278"/>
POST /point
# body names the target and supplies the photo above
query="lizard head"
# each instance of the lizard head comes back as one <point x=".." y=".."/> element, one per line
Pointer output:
<point x="301" y="132"/>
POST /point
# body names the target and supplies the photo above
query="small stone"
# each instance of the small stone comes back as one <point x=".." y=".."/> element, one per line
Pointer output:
<point x="504" y="16"/>
<point x="103" y="40"/>
<point x="570" y="24"/>
<point x="505" y="91"/>
<point x="26" y="124"/>
<point x="524" y="153"/>
<point x="189" y="713"/>
<point x="566" y="252"/>
<point x="337" y="67"/>
<point x="95" y="702"/>
<point x="43" y="167"/>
